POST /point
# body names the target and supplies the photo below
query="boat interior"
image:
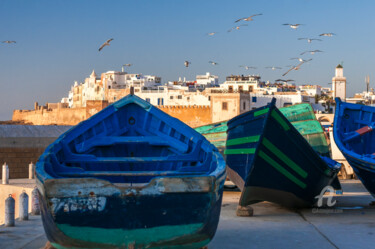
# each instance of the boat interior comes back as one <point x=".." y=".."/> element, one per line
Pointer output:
<point x="356" y="128"/>
<point x="130" y="145"/>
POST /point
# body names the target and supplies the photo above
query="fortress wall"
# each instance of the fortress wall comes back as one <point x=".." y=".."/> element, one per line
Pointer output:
<point x="193" y="116"/>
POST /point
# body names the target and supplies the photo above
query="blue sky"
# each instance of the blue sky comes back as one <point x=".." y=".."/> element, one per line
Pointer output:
<point x="58" y="41"/>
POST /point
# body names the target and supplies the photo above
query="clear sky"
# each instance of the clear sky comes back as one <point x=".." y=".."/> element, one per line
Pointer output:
<point x="58" y="41"/>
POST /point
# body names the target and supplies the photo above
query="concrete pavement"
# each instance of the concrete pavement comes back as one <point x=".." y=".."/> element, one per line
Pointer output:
<point x="350" y="223"/>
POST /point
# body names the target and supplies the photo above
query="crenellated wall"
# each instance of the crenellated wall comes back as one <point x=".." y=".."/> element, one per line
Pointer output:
<point x="191" y="115"/>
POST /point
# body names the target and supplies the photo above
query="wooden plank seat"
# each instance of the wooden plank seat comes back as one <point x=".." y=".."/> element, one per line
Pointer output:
<point x="71" y="157"/>
<point x="358" y="133"/>
<point x="111" y="140"/>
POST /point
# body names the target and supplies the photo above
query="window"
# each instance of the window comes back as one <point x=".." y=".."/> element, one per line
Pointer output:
<point x="179" y="96"/>
<point x="254" y="99"/>
<point x="224" y="106"/>
<point x="160" y="101"/>
<point x="209" y="98"/>
<point x="230" y="89"/>
<point x="148" y="100"/>
<point x="240" y="89"/>
<point x="171" y="97"/>
<point x="188" y="98"/>
<point x="244" y="105"/>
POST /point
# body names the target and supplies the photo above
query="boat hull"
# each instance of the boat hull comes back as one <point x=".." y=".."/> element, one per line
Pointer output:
<point x="353" y="134"/>
<point x="131" y="176"/>
<point x="112" y="217"/>
<point x="269" y="160"/>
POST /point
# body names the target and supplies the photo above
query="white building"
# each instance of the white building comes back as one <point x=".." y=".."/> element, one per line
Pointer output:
<point x="311" y="89"/>
<point x="207" y="80"/>
<point x="241" y="83"/>
<point x="120" y="80"/>
<point x="258" y="100"/>
<point x="339" y="84"/>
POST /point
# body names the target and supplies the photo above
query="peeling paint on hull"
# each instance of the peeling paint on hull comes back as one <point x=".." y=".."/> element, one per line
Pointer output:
<point x="181" y="220"/>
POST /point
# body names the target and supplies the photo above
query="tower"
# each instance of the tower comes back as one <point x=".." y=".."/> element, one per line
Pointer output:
<point x="339" y="83"/>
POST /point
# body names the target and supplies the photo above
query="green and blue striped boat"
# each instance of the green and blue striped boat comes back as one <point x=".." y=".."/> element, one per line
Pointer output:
<point x="269" y="160"/>
<point x="301" y="116"/>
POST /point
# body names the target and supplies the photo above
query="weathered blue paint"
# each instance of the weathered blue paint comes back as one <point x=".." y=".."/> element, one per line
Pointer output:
<point x="354" y="136"/>
<point x="284" y="168"/>
<point x="130" y="176"/>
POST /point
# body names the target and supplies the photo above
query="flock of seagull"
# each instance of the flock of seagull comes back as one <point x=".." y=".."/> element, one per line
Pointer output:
<point x="292" y="26"/>
<point x="241" y="23"/>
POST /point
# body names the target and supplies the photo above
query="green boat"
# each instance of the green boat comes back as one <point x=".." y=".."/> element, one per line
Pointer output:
<point x="301" y="116"/>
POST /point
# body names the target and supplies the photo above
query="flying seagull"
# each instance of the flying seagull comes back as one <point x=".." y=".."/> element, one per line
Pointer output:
<point x="293" y="26"/>
<point x="127" y="65"/>
<point x="105" y="44"/>
<point x="300" y="59"/>
<point x="213" y="63"/>
<point x="311" y="52"/>
<point x="211" y="33"/>
<point x="187" y="63"/>
<point x="295" y="67"/>
<point x="9" y="42"/>
<point x="309" y="40"/>
<point x="248" y="67"/>
<point x="283" y="80"/>
<point x="250" y="18"/>
<point x="237" y="27"/>
<point x="327" y="34"/>
<point x="274" y="68"/>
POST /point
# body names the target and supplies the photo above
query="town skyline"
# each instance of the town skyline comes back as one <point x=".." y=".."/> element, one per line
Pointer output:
<point x="57" y="43"/>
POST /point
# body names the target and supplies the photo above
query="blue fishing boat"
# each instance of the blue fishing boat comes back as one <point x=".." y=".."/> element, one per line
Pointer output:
<point x="131" y="176"/>
<point x="353" y="133"/>
<point x="269" y="160"/>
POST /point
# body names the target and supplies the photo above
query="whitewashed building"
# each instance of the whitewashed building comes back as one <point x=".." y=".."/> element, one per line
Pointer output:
<point x="241" y="83"/>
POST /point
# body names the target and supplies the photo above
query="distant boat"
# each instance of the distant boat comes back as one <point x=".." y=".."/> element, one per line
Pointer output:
<point x="269" y="160"/>
<point x="131" y="176"/>
<point x="353" y="133"/>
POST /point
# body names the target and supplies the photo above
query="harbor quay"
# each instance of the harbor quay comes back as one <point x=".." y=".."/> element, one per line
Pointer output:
<point x="348" y="224"/>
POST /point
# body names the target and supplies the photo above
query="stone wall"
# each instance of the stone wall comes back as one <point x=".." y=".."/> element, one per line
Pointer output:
<point x="193" y="116"/>
<point x="64" y="116"/>
<point x="18" y="160"/>
<point x="59" y="116"/>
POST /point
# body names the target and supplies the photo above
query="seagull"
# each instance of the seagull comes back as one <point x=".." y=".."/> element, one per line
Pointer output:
<point x="213" y="63"/>
<point x="300" y="59"/>
<point x="293" y="26"/>
<point x="237" y="27"/>
<point x="127" y="65"/>
<point x="9" y="42"/>
<point x="250" y="18"/>
<point x="309" y="40"/>
<point x="248" y="67"/>
<point x="212" y="33"/>
<point x="311" y="52"/>
<point x="187" y="63"/>
<point x="327" y="34"/>
<point x="283" y="80"/>
<point x="105" y="44"/>
<point x="274" y="68"/>
<point x="295" y="67"/>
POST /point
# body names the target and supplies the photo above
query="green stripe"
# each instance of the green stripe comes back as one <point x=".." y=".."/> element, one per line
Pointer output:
<point x="283" y="171"/>
<point x="243" y="140"/>
<point x="279" y="119"/>
<point x="239" y="151"/>
<point x="257" y="113"/>
<point x="284" y="158"/>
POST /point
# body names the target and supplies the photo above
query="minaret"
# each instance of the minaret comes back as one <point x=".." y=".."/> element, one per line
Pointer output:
<point x="339" y="83"/>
